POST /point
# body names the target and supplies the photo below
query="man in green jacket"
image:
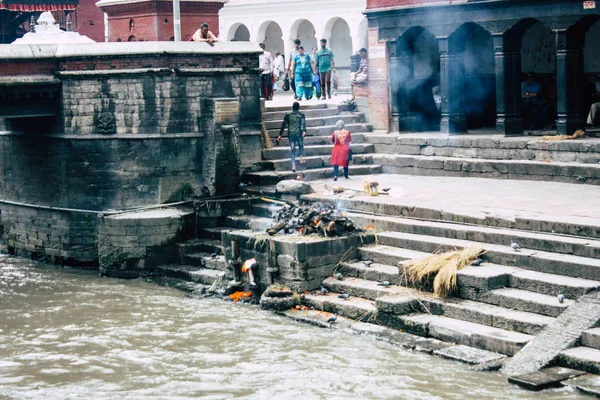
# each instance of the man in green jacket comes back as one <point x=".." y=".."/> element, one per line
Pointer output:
<point x="325" y="64"/>
<point x="296" y="124"/>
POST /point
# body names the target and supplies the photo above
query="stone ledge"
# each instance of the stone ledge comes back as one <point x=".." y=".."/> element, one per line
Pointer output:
<point x="24" y="80"/>
<point x="114" y="72"/>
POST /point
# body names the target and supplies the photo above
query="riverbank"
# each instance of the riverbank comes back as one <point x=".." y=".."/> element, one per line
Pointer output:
<point x="72" y="334"/>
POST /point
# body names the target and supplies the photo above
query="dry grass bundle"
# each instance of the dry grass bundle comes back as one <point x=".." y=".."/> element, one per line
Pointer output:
<point x="444" y="266"/>
<point x="578" y="134"/>
<point x="267" y="142"/>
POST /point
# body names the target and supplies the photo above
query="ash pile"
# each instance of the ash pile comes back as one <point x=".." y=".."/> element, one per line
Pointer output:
<point x="319" y="219"/>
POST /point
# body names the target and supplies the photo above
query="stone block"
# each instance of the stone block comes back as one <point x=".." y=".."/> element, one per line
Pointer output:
<point x="468" y="355"/>
<point x="545" y="378"/>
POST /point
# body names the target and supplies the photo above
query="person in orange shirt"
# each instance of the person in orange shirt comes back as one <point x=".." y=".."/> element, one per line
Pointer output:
<point x="204" y="35"/>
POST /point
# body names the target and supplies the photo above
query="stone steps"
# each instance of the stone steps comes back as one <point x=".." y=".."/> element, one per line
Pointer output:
<point x="541" y="261"/>
<point x="272" y="177"/>
<point x="398" y="300"/>
<point x="489" y="276"/>
<point x="320" y="121"/>
<point x="278" y="153"/>
<point x="488" y="147"/>
<point x="581" y="358"/>
<point x="310" y="111"/>
<point x="584" y="247"/>
<point x="249" y="222"/>
<point x="265" y="210"/>
<point x="466" y="333"/>
<point x="205" y="260"/>
<point x="191" y="273"/>
<point x="355" y="308"/>
<point x="526" y="301"/>
<point x="327" y="130"/>
<point x="569" y="172"/>
<point x="321" y="140"/>
<point x="201" y="246"/>
<point x="314" y="162"/>
<point x="374" y="272"/>
<point x="591" y="338"/>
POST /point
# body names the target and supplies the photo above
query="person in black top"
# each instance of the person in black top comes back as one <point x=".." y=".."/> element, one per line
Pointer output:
<point x="296" y="126"/>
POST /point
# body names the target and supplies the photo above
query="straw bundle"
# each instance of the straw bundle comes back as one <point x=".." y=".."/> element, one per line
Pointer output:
<point x="443" y="265"/>
<point x="267" y="142"/>
<point x="578" y="134"/>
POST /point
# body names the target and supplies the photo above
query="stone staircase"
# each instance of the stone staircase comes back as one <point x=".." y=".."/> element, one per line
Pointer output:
<point x="320" y="124"/>
<point x="499" y="306"/>
<point x="488" y="156"/>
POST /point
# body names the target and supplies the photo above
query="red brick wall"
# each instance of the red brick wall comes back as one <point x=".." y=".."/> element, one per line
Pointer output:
<point x="379" y="98"/>
<point x="150" y="21"/>
<point x="393" y="3"/>
<point x="90" y="20"/>
<point x="144" y="27"/>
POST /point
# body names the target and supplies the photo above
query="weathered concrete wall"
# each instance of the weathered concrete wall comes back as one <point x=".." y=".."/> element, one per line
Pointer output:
<point x="132" y="130"/>
<point x="134" y="244"/>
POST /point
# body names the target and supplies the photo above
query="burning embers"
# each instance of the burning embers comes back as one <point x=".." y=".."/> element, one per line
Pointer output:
<point x="317" y="218"/>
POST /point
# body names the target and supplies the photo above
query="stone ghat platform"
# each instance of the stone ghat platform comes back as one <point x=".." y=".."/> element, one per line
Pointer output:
<point x="488" y="156"/>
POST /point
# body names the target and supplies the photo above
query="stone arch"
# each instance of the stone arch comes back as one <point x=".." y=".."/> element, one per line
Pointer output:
<point x="476" y="47"/>
<point x="339" y="40"/>
<point x="132" y="38"/>
<point x="538" y="48"/>
<point x="361" y="40"/>
<point x="238" y="32"/>
<point x="271" y="35"/>
<point x="304" y="30"/>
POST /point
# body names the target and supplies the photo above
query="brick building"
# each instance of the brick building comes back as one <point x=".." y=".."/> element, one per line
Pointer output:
<point x="134" y="20"/>
<point x="475" y="54"/>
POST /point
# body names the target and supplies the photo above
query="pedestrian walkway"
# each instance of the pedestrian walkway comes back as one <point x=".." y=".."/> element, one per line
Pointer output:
<point x="506" y="199"/>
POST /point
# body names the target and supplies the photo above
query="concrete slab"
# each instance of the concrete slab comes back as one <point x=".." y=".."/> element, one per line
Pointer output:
<point x="476" y="335"/>
<point x="389" y="255"/>
<point x="524" y="300"/>
<point x="468" y="355"/>
<point x="591" y="338"/>
<point x="502" y="202"/>
<point x="545" y="378"/>
<point x="551" y="284"/>
<point x="582" y="358"/>
<point x="355" y="308"/>
<point x="373" y="272"/>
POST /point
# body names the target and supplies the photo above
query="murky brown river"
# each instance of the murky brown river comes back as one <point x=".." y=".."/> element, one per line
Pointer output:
<point x="68" y="334"/>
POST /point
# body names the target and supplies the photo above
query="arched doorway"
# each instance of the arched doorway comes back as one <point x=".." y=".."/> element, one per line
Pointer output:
<point x="337" y="33"/>
<point x="270" y="34"/>
<point x="476" y="46"/>
<point x="238" y="33"/>
<point x="414" y="75"/>
<point x="305" y="31"/>
<point x="538" y="63"/>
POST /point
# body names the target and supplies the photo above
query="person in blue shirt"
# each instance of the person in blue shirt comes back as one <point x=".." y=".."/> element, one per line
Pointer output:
<point x="531" y="91"/>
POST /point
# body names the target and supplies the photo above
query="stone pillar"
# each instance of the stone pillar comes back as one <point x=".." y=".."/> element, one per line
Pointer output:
<point x="508" y="86"/>
<point x="221" y="151"/>
<point x="400" y="78"/>
<point x="452" y="71"/>
<point x="379" y="96"/>
<point x="570" y="81"/>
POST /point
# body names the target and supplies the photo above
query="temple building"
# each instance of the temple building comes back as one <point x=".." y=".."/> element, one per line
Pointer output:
<point x="146" y="20"/>
<point x="15" y="15"/>
<point x="277" y="24"/>
<point x="475" y="56"/>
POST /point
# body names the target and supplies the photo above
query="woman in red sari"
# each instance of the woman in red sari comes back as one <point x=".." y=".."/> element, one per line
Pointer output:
<point x="340" y="156"/>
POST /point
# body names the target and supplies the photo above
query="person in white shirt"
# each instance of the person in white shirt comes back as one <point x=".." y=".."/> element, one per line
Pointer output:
<point x="595" y="107"/>
<point x="279" y="67"/>
<point x="265" y="64"/>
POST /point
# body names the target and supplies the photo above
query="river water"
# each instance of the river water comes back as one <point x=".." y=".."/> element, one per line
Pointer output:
<point x="70" y="334"/>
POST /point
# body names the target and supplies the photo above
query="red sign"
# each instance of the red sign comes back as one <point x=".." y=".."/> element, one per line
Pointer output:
<point x="589" y="5"/>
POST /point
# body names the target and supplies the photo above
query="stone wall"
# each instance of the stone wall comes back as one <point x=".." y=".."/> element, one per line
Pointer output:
<point x="132" y="130"/>
<point x="134" y="244"/>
